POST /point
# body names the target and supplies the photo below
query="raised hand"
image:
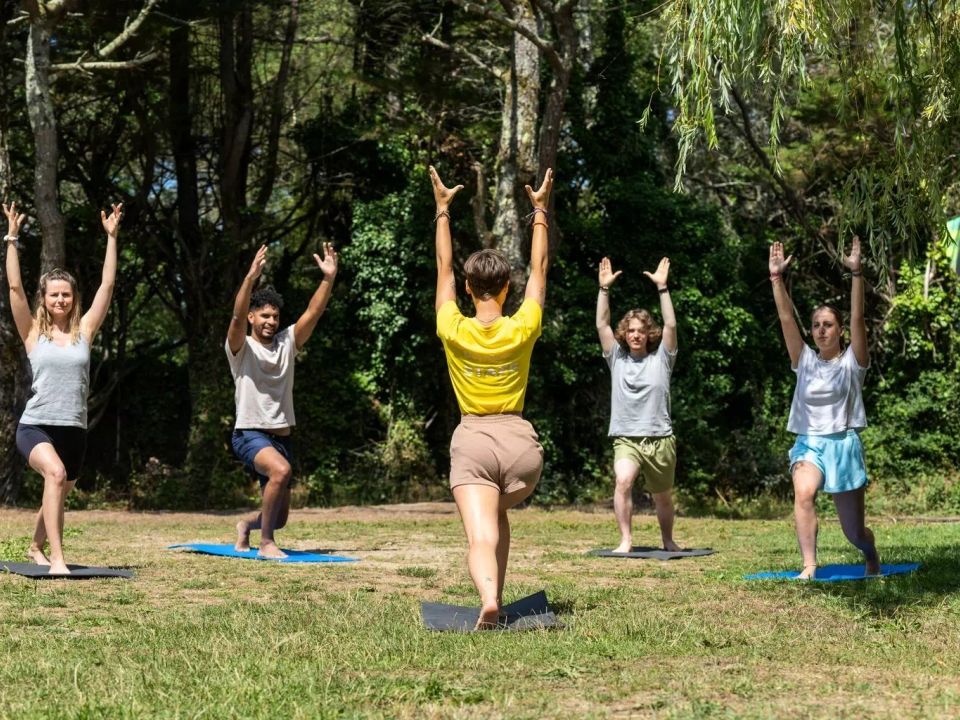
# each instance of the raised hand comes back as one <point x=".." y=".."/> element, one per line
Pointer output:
<point x="441" y="193"/>
<point x="777" y="263"/>
<point x="659" y="277"/>
<point x="111" y="222"/>
<point x="328" y="265"/>
<point x="852" y="261"/>
<point x="607" y="275"/>
<point x="259" y="260"/>
<point x="541" y="198"/>
<point x="14" y="219"/>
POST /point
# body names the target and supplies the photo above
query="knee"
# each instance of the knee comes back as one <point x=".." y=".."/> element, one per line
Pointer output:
<point x="281" y="474"/>
<point x="624" y="483"/>
<point x="57" y="476"/>
<point x="482" y="537"/>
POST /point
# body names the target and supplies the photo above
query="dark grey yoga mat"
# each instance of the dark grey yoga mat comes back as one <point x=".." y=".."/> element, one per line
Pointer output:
<point x="652" y="553"/>
<point x="530" y="613"/>
<point x="77" y="572"/>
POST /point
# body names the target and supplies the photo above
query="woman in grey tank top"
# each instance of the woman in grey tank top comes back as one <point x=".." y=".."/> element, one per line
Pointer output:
<point x="57" y="336"/>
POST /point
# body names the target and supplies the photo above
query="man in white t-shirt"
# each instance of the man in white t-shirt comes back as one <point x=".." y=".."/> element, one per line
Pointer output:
<point x="262" y="365"/>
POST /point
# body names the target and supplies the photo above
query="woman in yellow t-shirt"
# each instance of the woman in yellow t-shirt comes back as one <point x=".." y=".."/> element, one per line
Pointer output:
<point x="495" y="455"/>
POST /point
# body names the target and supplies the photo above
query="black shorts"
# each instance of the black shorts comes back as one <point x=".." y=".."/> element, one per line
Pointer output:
<point x="68" y="441"/>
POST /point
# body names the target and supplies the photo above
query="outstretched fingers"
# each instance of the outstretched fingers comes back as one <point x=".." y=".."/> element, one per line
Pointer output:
<point x="441" y="193"/>
<point x="541" y="196"/>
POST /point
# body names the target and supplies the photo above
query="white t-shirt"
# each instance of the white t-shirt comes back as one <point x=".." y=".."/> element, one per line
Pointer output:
<point x="264" y="382"/>
<point x="640" y="392"/>
<point x="829" y="394"/>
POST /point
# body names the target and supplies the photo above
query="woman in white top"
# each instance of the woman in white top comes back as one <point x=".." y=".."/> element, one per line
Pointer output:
<point x="827" y="413"/>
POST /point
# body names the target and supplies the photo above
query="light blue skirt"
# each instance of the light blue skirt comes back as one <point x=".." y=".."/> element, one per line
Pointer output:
<point x="838" y="457"/>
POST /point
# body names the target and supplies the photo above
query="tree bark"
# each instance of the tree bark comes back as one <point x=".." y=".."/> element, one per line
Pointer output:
<point x="43" y="122"/>
<point x="516" y="158"/>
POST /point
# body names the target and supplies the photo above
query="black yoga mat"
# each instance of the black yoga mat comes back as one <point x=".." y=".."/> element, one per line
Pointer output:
<point x="530" y="613"/>
<point x="77" y="572"/>
<point x="652" y="553"/>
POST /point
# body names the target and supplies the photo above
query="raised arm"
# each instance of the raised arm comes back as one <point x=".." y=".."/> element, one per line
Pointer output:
<point x="858" y="325"/>
<point x="539" y="256"/>
<point x="659" y="278"/>
<point x="92" y="320"/>
<point x="446" y="282"/>
<point x="607" y="277"/>
<point x="237" y="332"/>
<point x="318" y="303"/>
<point x="18" y="298"/>
<point x="791" y="333"/>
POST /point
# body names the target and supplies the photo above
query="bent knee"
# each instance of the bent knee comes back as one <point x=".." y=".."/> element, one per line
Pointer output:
<point x="281" y="473"/>
<point x="483" y="537"/>
<point x="56" y="475"/>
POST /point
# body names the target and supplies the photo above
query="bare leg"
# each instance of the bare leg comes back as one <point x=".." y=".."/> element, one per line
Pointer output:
<point x="44" y="459"/>
<point x="271" y="463"/>
<point x="507" y="501"/>
<point x="806" y="482"/>
<point x="35" y="551"/>
<point x="625" y="471"/>
<point x="665" y="514"/>
<point x="850" y="511"/>
<point x="479" y="507"/>
<point x="244" y="526"/>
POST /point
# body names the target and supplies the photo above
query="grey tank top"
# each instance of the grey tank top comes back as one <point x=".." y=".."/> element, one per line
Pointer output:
<point x="61" y="381"/>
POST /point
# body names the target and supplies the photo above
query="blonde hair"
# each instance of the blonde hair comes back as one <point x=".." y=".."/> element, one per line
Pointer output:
<point x="41" y="316"/>
<point x="649" y="325"/>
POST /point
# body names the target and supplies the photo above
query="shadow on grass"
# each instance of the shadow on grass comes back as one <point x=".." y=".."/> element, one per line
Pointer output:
<point x="937" y="577"/>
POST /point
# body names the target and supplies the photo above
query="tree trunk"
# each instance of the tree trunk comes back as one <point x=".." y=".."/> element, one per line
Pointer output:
<point x="43" y="122"/>
<point x="516" y="158"/>
<point x="14" y="382"/>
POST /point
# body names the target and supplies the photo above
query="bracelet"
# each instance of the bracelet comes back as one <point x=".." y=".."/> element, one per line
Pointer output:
<point x="663" y="290"/>
<point x="605" y="289"/>
<point x="440" y="214"/>
<point x="856" y="273"/>
<point x="533" y="214"/>
<point x="541" y="223"/>
<point x="775" y="276"/>
<point x="11" y="238"/>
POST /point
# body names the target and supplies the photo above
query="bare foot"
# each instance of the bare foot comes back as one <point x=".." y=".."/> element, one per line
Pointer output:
<point x="489" y="618"/>
<point x="624" y="546"/>
<point x="243" y="537"/>
<point x="58" y="568"/>
<point x="269" y="549"/>
<point x="808" y="573"/>
<point x="35" y="555"/>
<point x="671" y="546"/>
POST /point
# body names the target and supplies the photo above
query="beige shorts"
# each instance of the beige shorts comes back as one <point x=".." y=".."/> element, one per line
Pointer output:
<point x="502" y="451"/>
<point x="656" y="458"/>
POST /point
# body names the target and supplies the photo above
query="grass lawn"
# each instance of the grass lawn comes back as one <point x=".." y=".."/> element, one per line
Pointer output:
<point x="204" y="637"/>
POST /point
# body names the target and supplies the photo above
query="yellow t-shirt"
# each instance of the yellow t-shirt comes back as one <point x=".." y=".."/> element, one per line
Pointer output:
<point x="489" y="366"/>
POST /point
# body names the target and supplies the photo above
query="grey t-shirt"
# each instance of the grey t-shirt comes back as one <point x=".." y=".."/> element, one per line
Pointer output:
<point x="640" y="393"/>
<point x="264" y="382"/>
<point x="61" y="382"/>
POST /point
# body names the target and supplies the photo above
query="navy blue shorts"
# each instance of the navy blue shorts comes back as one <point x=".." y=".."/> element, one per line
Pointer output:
<point x="247" y="443"/>
<point x="69" y="442"/>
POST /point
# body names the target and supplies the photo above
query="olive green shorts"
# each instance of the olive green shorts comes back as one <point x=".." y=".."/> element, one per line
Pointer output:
<point x="656" y="458"/>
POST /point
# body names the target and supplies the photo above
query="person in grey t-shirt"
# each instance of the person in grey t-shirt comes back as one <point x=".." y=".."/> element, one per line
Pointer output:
<point x="641" y="356"/>
<point x="262" y="366"/>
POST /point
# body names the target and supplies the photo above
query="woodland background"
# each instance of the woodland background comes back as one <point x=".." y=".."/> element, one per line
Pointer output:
<point x="700" y="130"/>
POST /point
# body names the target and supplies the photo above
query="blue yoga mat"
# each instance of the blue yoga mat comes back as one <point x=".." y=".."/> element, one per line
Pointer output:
<point x="837" y="573"/>
<point x="293" y="556"/>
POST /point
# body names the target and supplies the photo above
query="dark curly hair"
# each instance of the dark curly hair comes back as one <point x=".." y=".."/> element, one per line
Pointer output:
<point x="266" y="296"/>
<point x="649" y="325"/>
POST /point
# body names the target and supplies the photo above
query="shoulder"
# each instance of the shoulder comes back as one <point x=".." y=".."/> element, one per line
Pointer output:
<point x="529" y="314"/>
<point x="448" y="317"/>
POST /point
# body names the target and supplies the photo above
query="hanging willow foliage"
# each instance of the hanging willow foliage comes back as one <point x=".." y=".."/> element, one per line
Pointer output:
<point x="899" y="69"/>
